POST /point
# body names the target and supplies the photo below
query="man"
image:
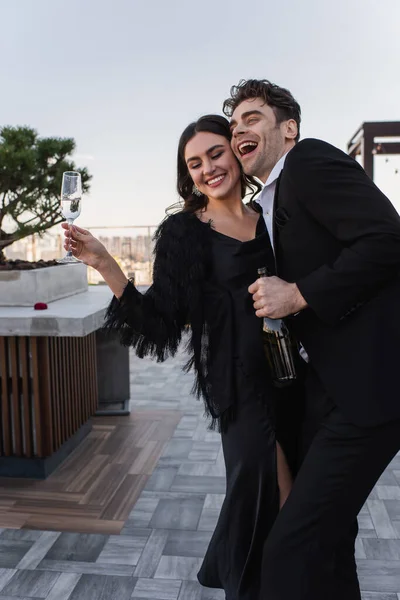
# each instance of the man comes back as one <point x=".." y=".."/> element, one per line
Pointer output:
<point x="337" y="245"/>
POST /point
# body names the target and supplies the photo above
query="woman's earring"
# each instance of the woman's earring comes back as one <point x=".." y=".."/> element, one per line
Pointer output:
<point x="196" y="191"/>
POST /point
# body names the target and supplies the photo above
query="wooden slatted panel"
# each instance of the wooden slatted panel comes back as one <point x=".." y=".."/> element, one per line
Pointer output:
<point x="5" y="442"/>
<point x="15" y="397"/>
<point x="94" y="387"/>
<point x="88" y="365"/>
<point x="64" y="389"/>
<point x="81" y="396"/>
<point x="85" y="365"/>
<point x="63" y="400"/>
<point x="36" y="397"/>
<point x="54" y="394"/>
<point x="76" y="383"/>
<point x="74" y="375"/>
<point x="48" y="391"/>
<point x="68" y="380"/>
<point x="26" y="396"/>
<point x="46" y="412"/>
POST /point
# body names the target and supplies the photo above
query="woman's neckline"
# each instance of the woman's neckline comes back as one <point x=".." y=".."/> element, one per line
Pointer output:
<point x="209" y="224"/>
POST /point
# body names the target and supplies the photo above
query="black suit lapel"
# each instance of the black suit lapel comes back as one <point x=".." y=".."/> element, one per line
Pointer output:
<point x="274" y="209"/>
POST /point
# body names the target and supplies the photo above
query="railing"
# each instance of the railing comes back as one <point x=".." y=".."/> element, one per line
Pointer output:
<point x="131" y="246"/>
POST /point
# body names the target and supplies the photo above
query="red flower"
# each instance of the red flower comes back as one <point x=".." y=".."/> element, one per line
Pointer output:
<point x="40" y="306"/>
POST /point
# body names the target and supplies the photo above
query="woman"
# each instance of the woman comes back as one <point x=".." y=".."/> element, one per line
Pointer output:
<point x="206" y="256"/>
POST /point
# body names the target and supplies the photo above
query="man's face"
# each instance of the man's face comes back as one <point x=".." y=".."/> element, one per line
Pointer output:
<point x="257" y="139"/>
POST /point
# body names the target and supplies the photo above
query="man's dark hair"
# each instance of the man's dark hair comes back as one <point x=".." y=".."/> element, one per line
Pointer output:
<point x="279" y="99"/>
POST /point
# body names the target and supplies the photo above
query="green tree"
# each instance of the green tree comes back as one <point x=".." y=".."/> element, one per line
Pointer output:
<point x="31" y="170"/>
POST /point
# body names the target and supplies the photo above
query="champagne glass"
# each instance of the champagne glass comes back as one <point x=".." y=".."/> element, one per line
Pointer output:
<point x="71" y="195"/>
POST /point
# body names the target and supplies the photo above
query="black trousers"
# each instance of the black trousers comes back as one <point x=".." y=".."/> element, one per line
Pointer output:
<point x="309" y="554"/>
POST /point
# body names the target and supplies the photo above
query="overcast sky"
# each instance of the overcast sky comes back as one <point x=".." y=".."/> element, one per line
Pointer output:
<point x="124" y="78"/>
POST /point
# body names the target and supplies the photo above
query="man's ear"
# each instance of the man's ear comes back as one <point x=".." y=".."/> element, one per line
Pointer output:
<point x="291" y="129"/>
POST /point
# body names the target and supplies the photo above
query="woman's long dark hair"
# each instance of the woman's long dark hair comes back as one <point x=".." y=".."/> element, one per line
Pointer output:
<point x="210" y="124"/>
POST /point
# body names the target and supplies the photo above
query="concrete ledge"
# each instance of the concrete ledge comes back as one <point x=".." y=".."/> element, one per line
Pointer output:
<point x="25" y="288"/>
<point x="75" y="316"/>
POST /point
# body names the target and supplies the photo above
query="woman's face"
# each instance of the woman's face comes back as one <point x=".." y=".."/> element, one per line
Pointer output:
<point x="212" y="165"/>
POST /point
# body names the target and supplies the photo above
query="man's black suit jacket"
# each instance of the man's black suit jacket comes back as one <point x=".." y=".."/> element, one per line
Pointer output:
<point x="338" y="237"/>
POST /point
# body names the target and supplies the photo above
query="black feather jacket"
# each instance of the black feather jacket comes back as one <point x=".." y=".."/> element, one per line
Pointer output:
<point x="200" y="284"/>
<point x="153" y="322"/>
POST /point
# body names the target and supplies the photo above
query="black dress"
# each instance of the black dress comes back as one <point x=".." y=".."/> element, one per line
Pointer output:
<point x="233" y="559"/>
<point x="202" y="277"/>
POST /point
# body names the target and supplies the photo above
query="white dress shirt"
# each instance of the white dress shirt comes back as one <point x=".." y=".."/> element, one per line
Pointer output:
<point x="266" y="201"/>
<point x="266" y="197"/>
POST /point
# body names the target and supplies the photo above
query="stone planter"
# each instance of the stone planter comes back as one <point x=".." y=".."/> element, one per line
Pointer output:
<point x="25" y="288"/>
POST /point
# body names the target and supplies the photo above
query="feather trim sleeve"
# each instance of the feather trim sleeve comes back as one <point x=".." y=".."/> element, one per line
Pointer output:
<point x="153" y="322"/>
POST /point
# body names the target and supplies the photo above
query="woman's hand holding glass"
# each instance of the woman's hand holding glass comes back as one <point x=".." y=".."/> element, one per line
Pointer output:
<point x="85" y="246"/>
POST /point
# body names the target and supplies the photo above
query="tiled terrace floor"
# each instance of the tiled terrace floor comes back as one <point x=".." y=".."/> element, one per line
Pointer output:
<point x="161" y="543"/>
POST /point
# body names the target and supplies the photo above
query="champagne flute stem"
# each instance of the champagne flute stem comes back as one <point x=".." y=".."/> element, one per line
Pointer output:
<point x="70" y="223"/>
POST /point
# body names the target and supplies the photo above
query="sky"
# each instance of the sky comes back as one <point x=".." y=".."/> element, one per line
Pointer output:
<point x="125" y="77"/>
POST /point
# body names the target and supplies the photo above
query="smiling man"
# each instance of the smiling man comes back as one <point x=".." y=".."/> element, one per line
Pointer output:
<point x="336" y="239"/>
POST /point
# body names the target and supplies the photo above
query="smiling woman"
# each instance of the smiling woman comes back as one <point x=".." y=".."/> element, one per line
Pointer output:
<point x="204" y="154"/>
<point x="206" y="256"/>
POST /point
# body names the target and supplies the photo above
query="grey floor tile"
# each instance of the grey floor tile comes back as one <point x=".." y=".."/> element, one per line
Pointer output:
<point x="381" y="519"/>
<point x="364" y="510"/>
<point x="393" y="509"/>
<point x="387" y="478"/>
<point x="183" y="483"/>
<point x="188" y="543"/>
<point x="367" y="533"/>
<point x="204" y="451"/>
<point x="382" y="549"/>
<point x="5" y="576"/>
<point x="212" y="594"/>
<point x="388" y="492"/>
<point x="70" y="566"/>
<point x="183" y="434"/>
<point x="365" y="522"/>
<point x="12" y="551"/>
<point x="178" y="567"/>
<point x="160" y="589"/>
<point x="178" y="513"/>
<point x="209" y="469"/>
<point x="395" y="464"/>
<point x="142" y="512"/>
<point x="39" y="550"/>
<point x="214" y="501"/>
<point x="208" y="520"/>
<point x="396" y="525"/>
<point x="379" y="576"/>
<point x="188" y="423"/>
<point x="14" y="597"/>
<point x="162" y="478"/>
<point x="21" y="535"/>
<point x="103" y="587"/>
<point x="170" y="495"/>
<point x="35" y="584"/>
<point x="190" y="590"/>
<point x="378" y="596"/>
<point x="79" y="547"/>
<point x="151" y="554"/>
<point x="64" y="586"/>
<point x="178" y="448"/>
<point x="359" y="549"/>
<point x="122" y="550"/>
